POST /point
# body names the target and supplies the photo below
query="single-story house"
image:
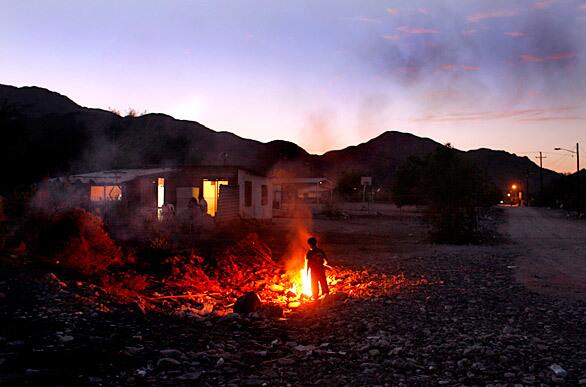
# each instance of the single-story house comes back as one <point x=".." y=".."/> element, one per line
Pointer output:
<point x="231" y="192"/>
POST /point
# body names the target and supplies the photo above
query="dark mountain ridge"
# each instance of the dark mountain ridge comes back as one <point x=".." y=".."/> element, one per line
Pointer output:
<point x="47" y="134"/>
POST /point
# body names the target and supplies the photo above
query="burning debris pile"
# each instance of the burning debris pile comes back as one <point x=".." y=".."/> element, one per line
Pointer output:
<point x="243" y="278"/>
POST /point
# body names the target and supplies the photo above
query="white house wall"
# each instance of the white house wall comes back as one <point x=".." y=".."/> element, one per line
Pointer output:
<point x="256" y="210"/>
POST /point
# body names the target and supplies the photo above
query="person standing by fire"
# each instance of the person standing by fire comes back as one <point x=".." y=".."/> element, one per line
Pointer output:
<point x="315" y="262"/>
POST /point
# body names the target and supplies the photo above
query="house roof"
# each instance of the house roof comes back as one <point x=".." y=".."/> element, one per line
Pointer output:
<point x="300" y="180"/>
<point x="112" y="177"/>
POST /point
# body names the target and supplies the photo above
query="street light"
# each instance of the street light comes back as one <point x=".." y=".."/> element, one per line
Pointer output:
<point x="516" y="196"/>
<point x="578" y="190"/>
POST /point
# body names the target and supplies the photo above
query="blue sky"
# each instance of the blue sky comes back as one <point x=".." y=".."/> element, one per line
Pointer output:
<point x="324" y="74"/>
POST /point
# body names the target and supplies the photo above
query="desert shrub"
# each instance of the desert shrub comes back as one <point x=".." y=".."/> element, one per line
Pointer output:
<point x="74" y="239"/>
<point x="455" y="193"/>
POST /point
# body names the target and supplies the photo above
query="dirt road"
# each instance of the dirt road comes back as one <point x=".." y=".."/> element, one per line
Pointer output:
<point x="551" y="250"/>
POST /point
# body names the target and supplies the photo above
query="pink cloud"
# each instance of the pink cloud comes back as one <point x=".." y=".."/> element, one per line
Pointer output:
<point x="531" y="58"/>
<point x="456" y="67"/>
<point x="542" y="4"/>
<point x="536" y="114"/>
<point x="516" y="34"/>
<point x="547" y="58"/>
<point x="416" y="30"/>
<point x="448" y="67"/>
<point x="583" y="6"/>
<point x="391" y="37"/>
<point x="392" y="11"/>
<point x="469" y="32"/>
<point x="470" y="68"/>
<point x="553" y="118"/>
<point x="561" y="56"/>
<point x="490" y="15"/>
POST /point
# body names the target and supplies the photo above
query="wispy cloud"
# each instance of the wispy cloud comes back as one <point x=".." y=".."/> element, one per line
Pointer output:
<point x="448" y="67"/>
<point x="537" y="114"/>
<point x="530" y="58"/>
<point x="458" y="67"/>
<point x="542" y="4"/>
<point x="392" y="11"/>
<point x="391" y="37"/>
<point x="490" y="15"/>
<point x="417" y="30"/>
<point x="582" y="6"/>
<point x="516" y="34"/>
<point x="470" y="68"/>
<point x="553" y="118"/>
<point x="559" y="56"/>
<point x="364" y="19"/>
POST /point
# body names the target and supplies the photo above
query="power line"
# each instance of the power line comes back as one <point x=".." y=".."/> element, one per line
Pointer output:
<point x="555" y="163"/>
<point x="540" y="157"/>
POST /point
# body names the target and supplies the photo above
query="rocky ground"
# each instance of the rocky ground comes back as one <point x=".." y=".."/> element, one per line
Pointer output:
<point x="470" y="323"/>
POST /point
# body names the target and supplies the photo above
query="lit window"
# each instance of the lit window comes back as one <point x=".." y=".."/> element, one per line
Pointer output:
<point x="102" y="193"/>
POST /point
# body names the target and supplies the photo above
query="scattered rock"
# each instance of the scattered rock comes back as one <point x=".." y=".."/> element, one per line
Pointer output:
<point x="286" y="361"/>
<point x="277" y="288"/>
<point x="172" y="353"/>
<point x="190" y="376"/>
<point x="271" y="311"/>
<point x="558" y="370"/>
<point x="374" y="352"/>
<point x="65" y="338"/>
<point x="248" y="303"/>
<point x="31" y="372"/>
<point x="168" y="363"/>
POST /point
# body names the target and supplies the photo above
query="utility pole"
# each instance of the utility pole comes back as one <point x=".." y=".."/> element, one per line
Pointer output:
<point x="579" y="190"/>
<point x="527" y="190"/>
<point x="541" y="157"/>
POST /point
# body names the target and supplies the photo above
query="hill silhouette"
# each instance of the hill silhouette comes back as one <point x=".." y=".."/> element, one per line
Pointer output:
<point x="46" y="134"/>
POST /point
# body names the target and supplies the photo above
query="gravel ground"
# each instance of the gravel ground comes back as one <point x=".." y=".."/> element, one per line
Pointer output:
<point x="472" y="323"/>
<point x="552" y="250"/>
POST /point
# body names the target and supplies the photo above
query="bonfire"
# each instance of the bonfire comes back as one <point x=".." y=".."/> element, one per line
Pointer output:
<point x="187" y="286"/>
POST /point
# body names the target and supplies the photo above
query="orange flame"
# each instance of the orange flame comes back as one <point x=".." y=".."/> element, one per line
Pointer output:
<point x="301" y="282"/>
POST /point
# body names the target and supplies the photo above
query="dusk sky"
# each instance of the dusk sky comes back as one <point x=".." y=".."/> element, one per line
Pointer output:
<point x="325" y="74"/>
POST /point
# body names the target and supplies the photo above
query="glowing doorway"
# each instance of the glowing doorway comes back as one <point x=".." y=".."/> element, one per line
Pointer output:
<point x="211" y="192"/>
<point x="160" y="196"/>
